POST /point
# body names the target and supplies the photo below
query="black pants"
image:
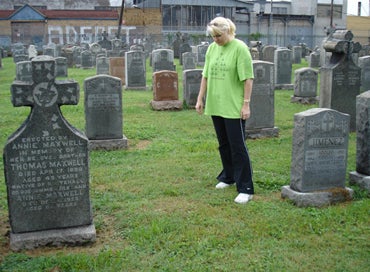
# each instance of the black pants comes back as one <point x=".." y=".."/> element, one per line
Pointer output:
<point x="234" y="153"/>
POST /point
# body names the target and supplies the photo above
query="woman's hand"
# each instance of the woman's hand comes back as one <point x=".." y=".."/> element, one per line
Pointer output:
<point x="245" y="113"/>
<point x="199" y="106"/>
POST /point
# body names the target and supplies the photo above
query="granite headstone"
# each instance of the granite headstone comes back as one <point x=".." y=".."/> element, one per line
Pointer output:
<point x="261" y="123"/>
<point x="46" y="165"/>
<point x="362" y="174"/>
<point x="165" y="91"/>
<point x="319" y="158"/>
<point x="103" y="112"/>
<point x="135" y="70"/>
<point x="191" y="85"/>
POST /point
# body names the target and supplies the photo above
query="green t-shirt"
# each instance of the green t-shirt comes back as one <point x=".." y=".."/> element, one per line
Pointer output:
<point x="226" y="68"/>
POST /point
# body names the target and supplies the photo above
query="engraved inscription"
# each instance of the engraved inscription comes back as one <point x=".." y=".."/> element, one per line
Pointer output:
<point x="48" y="169"/>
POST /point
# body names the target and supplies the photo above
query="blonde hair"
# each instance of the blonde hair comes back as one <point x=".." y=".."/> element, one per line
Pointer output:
<point x="221" y="25"/>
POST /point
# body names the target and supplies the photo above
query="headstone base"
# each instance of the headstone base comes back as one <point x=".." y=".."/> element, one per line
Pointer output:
<point x="304" y="100"/>
<point x="359" y="179"/>
<point x="109" y="144"/>
<point x="284" y="86"/>
<point x="262" y="133"/>
<point x="58" y="237"/>
<point x="166" y="105"/>
<point x="142" y="88"/>
<point x="317" y="198"/>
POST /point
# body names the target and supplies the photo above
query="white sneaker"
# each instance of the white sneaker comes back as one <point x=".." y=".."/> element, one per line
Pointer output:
<point x="243" y="198"/>
<point x="223" y="185"/>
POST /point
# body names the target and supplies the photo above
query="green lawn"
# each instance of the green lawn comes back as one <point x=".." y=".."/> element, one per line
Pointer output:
<point x="155" y="207"/>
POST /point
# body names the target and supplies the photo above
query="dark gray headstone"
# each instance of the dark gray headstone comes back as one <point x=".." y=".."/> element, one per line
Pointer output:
<point x="46" y="161"/>
<point x="364" y="64"/>
<point x="283" y="66"/>
<point x="361" y="176"/>
<point x="86" y="59"/>
<point x="24" y="71"/>
<point x="340" y="78"/>
<point x="201" y="53"/>
<point x="163" y="59"/>
<point x="320" y="147"/>
<point x="363" y="133"/>
<point x="103" y="108"/>
<point x="189" y="61"/>
<point x="135" y="70"/>
<point x="191" y="85"/>
<point x="305" y="86"/>
<point x="102" y="66"/>
<point x="297" y="54"/>
<point x="261" y="123"/>
<point x="305" y="82"/>
<point x="105" y="43"/>
<point x="61" y="67"/>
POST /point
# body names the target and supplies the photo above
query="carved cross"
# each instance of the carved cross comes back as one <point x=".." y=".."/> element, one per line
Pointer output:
<point x="45" y="95"/>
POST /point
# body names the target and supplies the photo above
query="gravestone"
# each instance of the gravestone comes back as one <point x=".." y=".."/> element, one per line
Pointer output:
<point x="364" y="64"/>
<point x="32" y="52"/>
<point x="102" y="66"/>
<point x="61" y="67"/>
<point x="297" y="54"/>
<point x="261" y="123"/>
<point x="96" y="51"/>
<point x="103" y="112"/>
<point x="184" y="48"/>
<point x="305" y="86"/>
<point x="191" y="85"/>
<point x="49" y="50"/>
<point x="319" y="158"/>
<point x="105" y="43"/>
<point x="117" y="68"/>
<point x="361" y="176"/>
<point x="19" y="52"/>
<point x="165" y="91"/>
<point x="23" y="71"/>
<point x="256" y="50"/>
<point x="176" y="45"/>
<point x="163" y="59"/>
<point x="76" y="53"/>
<point x="314" y="59"/>
<point x="189" y="61"/>
<point x="283" y="68"/>
<point x="268" y="53"/>
<point x="86" y="60"/>
<point x="201" y="53"/>
<point x="46" y="165"/>
<point x="20" y="57"/>
<point x="135" y="70"/>
<point x="117" y="48"/>
<point x="340" y="78"/>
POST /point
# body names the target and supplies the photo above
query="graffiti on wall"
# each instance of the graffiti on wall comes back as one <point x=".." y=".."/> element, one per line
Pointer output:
<point x="80" y="34"/>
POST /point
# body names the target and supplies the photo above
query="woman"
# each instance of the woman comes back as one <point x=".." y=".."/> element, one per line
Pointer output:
<point x="227" y="80"/>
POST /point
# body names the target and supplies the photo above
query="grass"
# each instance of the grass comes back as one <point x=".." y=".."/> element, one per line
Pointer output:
<point x="156" y="209"/>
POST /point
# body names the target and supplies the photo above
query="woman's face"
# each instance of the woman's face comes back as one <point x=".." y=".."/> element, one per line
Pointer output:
<point x="221" y="39"/>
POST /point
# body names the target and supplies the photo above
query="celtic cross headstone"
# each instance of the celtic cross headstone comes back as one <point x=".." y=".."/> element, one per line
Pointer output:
<point x="46" y="165"/>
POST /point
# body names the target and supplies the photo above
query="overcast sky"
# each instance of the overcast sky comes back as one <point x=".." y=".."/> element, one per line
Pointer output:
<point x="351" y="9"/>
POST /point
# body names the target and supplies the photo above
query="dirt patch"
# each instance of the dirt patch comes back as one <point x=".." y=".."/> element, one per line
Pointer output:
<point x="142" y="144"/>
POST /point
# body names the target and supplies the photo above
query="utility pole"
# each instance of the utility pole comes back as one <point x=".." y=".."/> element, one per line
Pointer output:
<point x="270" y="25"/>
<point x="120" y="19"/>
<point x="331" y="13"/>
